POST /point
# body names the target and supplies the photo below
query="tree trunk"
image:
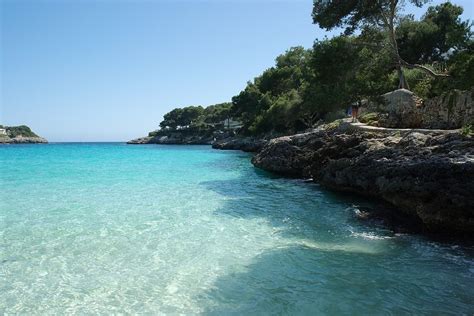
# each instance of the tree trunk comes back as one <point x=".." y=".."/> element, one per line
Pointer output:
<point x="402" y="84"/>
<point x="389" y="22"/>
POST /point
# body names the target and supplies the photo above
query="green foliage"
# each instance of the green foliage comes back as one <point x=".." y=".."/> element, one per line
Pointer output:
<point x="346" y="72"/>
<point x="274" y="100"/>
<point x="194" y="118"/>
<point x="154" y="133"/>
<point x="181" y="117"/>
<point x="370" y="118"/>
<point x="307" y="85"/>
<point x="352" y="15"/>
<point x="467" y="130"/>
<point x="419" y="83"/>
<point x="437" y="33"/>
<point x="216" y="113"/>
<point x="333" y="125"/>
<point x="461" y="68"/>
<point x="22" y="130"/>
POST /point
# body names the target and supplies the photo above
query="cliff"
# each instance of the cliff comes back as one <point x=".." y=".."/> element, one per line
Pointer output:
<point x="19" y="135"/>
<point x="403" y="109"/>
<point x="428" y="175"/>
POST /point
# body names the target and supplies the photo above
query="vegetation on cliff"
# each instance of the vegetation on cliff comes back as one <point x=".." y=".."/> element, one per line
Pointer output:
<point x="22" y="130"/>
<point x="194" y="119"/>
<point x="430" y="56"/>
<point x="19" y="134"/>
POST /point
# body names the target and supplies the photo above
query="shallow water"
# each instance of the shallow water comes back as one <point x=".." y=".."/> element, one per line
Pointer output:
<point x="108" y="228"/>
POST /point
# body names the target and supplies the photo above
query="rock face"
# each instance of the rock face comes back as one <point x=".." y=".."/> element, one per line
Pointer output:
<point x="403" y="109"/>
<point x="184" y="137"/>
<point x="140" y="141"/>
<point x="289" y="155"/>
<point x="19" y="135"/>
<point x="218" y="140"/>
<point x="174" y="139"/>
<point x="22" y="140"/>
<point x="427" y="176"/>
<point x="247" y="144"/>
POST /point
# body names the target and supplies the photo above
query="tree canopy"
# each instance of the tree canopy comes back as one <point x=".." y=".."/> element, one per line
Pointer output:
<point x="181" y="117"/>
<point x="437" y="35"/>
<point x="388" y="50"/>
<point x="355" y="15"/>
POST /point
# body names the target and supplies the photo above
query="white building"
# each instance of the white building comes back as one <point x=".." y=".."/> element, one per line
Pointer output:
<point x="3" y="131"/>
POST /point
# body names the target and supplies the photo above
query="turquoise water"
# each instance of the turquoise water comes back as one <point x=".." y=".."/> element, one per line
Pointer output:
<point x="114" y="228"/>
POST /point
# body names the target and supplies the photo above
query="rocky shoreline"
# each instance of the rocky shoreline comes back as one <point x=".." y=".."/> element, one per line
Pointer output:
<point x="226" y="141"/>
<point x="247" y="144"/>
<point x="169" y="140"/>
<point x="427" y="176"/>
<point x="23" y="140"/>
<point x="19" y="135"/>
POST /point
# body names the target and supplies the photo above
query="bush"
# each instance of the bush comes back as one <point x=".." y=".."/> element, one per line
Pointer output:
<point x="467" y="130"/>
<point x="370" y="118"/>
<point x="22" y="130"/>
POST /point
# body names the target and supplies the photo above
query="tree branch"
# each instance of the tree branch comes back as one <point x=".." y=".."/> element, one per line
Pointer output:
<point x="425" y="69"/>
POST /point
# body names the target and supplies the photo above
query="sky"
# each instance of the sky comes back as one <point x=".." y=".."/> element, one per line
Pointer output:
<point x="84" y="70"/>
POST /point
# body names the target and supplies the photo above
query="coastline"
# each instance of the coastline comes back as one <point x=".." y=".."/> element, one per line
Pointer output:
<point x="19" y="135"/>
<point x="22" y="140"/>
<point x="423" y="175"/>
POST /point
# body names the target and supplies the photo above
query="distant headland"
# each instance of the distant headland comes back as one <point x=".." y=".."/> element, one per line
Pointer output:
<point x="19" y="135"/>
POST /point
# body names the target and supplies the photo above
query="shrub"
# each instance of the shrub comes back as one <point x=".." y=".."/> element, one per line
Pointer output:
<point x="370" y="118"/>
<point x="23" y="130"/>
<point x="467" y="130"/>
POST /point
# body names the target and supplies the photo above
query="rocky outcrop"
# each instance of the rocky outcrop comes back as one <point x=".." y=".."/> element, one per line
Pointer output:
<point x="428" y="176"/>
<point x="289" y="155"/>
<point x="140" y="141"/>
<point x="218" y="140"/>
<point x="19" y="135"/>
<point x="248" y="144"/>
<point x="184" y="137"/>
<point x="403" y="109"/>
<point x="22" y="140"/>
<point x="173" y="139"/>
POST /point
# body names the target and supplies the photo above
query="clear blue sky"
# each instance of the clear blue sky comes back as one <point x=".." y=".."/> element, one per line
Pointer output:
<point x="108" y="70"/>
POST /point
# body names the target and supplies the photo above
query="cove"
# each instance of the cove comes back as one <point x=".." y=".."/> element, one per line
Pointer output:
<point x="113" y="228"/>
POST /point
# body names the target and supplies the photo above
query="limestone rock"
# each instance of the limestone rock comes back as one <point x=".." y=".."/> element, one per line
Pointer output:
<point x="23" y="140"/>
<point x="247" y="144"/>
<point x="427" y="176"/>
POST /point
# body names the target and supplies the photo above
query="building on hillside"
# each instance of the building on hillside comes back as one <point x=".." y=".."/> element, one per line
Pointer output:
<point x="231" y="124"/>
<point x="3" y="131"/>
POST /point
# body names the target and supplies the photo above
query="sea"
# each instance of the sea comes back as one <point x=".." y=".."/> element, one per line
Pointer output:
<point x="111" y="228"/>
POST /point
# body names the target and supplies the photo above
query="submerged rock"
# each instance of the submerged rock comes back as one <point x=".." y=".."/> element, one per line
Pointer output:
<point x="428" y="176"/>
